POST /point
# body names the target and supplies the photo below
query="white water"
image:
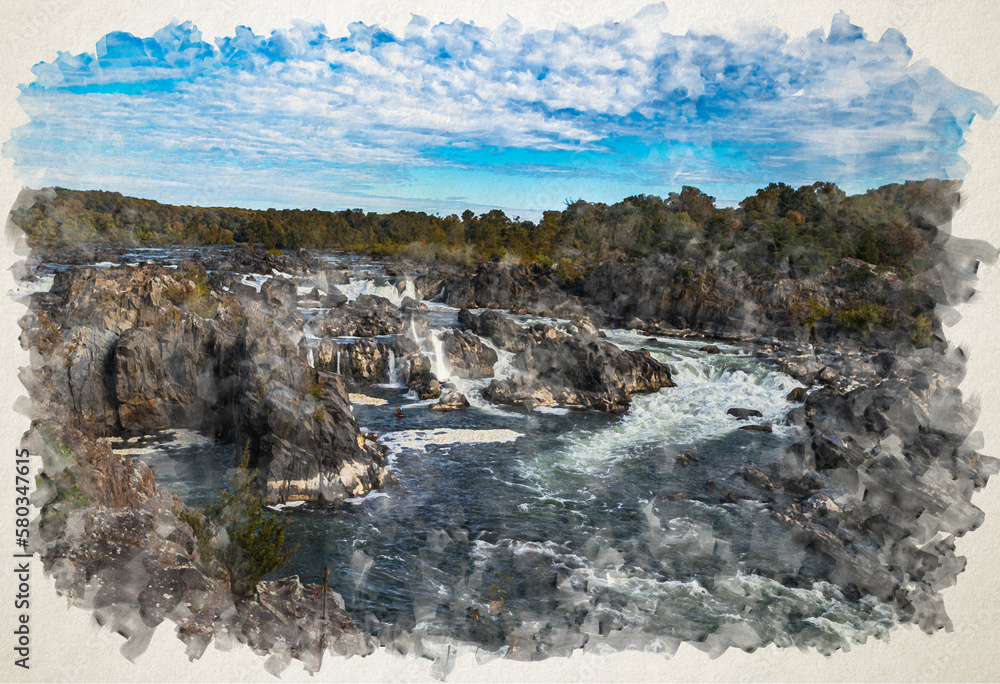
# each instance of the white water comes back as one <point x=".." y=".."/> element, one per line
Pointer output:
<point x="355" y="288"/>
<point x="26" y="288"/>
<point x="611" y="581"/>
<point x="421" y="439"/>
<point x="255" y="280"/>
<point x="691" y="412"/>
<point x="439" y="364"/>
<point x="395" y="373"/>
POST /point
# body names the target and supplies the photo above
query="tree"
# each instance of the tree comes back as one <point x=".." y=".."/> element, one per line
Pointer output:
<point x="247" y="543"/>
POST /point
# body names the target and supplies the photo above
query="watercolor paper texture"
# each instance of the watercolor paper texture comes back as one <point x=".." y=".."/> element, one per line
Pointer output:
<point x="578" y="488"/>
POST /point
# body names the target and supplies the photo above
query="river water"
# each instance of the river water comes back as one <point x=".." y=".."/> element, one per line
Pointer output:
<point x="534" y="533"/>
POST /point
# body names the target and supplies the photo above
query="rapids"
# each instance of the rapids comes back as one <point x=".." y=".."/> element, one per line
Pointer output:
<point x="560" y="528"/>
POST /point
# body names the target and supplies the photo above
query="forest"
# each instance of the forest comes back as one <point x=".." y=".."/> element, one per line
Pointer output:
<point x="801" y="231"/>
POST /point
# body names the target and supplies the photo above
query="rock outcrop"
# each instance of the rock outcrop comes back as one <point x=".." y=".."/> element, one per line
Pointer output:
<point x="366" y="316"/>
<point x="881" y="483"/>
<point x="467" y="356"/>
<point x="579" y="370"/>
<point x="144" y="348"/>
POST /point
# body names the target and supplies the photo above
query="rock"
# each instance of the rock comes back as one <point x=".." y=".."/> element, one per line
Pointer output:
<point x="833" y="451"/>
<point x="467" y="355"/>
<point x="755" y="476"/>
<point x="821" y="504"/>
<point x="242" y="259"/>
<point x="503" y="332"/>
<point x="410" y="304"/>
<point x="756" y="428"/>
<point x="334" y="299"/>
<point x="174" y="353"/>
<point x="710" y="349"/>
<point x="744" y="413"/>
<point x="685" y="460"/>
<point x="308" y="447"/>
<point x="368" y="361"/>
<point x="418" y="370"/>
<point x="581" y="370"/>
<point x="451" y="401"/>
<point x="583" y="325"/>
<point x="499" y="286"/>
<point x="430" y="389"/>
<point x="366" y="316"/>
<point x="797" y="395"/>
<point x="828" y="375"/>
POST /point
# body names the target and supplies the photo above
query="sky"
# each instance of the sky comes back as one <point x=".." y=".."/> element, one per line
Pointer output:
<point x="449" y="116"/>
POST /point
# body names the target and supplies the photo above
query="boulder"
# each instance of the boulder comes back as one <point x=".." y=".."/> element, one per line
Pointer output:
<point x="366" y="316"/>
<point x="581" y="370"/>
<point x="502" y="331"/>
<point x="368" y="361"/>
<point x="429" y="389"/>
<point x="797" y="395"/>
<point x="467" y="355"/>
<point x="160" y="358"/>
<point x="451" y="401"/>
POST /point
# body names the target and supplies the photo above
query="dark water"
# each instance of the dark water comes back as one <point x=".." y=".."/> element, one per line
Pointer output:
<point x="540" y="532"/>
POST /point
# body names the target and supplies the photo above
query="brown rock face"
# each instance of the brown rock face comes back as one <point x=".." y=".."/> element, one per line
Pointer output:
<point x="468" y="356"/>
<point x="582" y="370"/>
<point x="136" y="349"/>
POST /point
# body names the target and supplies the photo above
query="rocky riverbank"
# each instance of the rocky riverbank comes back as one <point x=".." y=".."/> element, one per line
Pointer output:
<point x="880" y="482"/>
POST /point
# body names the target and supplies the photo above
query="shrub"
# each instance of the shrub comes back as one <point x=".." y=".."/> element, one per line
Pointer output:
<point x="864" y="317"/>
<point x="858" y="275"/>
<point x="922" y="330"/>
<point x="814" y="312"/>
<point x="314" y="387"/>
<point x="67" y="496"/>
<point x="568" y="271"/>
<point x="247" y="543"/>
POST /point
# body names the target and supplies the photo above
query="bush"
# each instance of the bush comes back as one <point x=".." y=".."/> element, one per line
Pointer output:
<point x="864" y="317"/>
<point x="569" y="272"/>
<point x="922" y="330"/>
<point x="814" y="312"/>
<point x="247" y="544"/>
<point x="67" y="496"/>
<point x="858" y="275"/>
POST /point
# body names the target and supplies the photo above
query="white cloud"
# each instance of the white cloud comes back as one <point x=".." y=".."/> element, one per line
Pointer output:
<point x="366" y="106"/>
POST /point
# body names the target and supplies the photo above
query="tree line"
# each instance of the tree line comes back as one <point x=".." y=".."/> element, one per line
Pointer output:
<point x="804" y="230"/>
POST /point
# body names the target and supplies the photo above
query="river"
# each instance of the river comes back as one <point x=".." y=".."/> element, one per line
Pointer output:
<point x="534" y="533"/>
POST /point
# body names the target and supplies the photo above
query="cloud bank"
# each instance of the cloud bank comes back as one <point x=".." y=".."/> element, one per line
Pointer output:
<point x="453" y="115"/>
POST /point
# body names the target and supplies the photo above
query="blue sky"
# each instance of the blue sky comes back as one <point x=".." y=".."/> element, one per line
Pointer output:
<point x="451" y="116"/>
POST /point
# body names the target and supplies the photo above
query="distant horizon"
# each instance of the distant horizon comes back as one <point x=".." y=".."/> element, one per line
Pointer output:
<point x="719" y="204"/>
<point x="439" y="118"/>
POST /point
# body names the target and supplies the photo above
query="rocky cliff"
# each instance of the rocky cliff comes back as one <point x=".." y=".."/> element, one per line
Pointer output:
<point x="140" y="348"/>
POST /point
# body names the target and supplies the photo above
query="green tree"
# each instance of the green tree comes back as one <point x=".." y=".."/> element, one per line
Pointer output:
<point x="236" y="538"/>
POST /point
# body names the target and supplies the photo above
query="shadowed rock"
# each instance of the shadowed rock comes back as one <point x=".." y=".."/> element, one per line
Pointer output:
<point x="579" y="370"/>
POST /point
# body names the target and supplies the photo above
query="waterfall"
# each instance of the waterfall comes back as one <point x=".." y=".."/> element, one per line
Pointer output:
<point x="392" y="368"/>
<point x="338" y="359"/>
<point x="309" y="358"/>
<point x="440" y="366"/>
<point x="355" y="288"/>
